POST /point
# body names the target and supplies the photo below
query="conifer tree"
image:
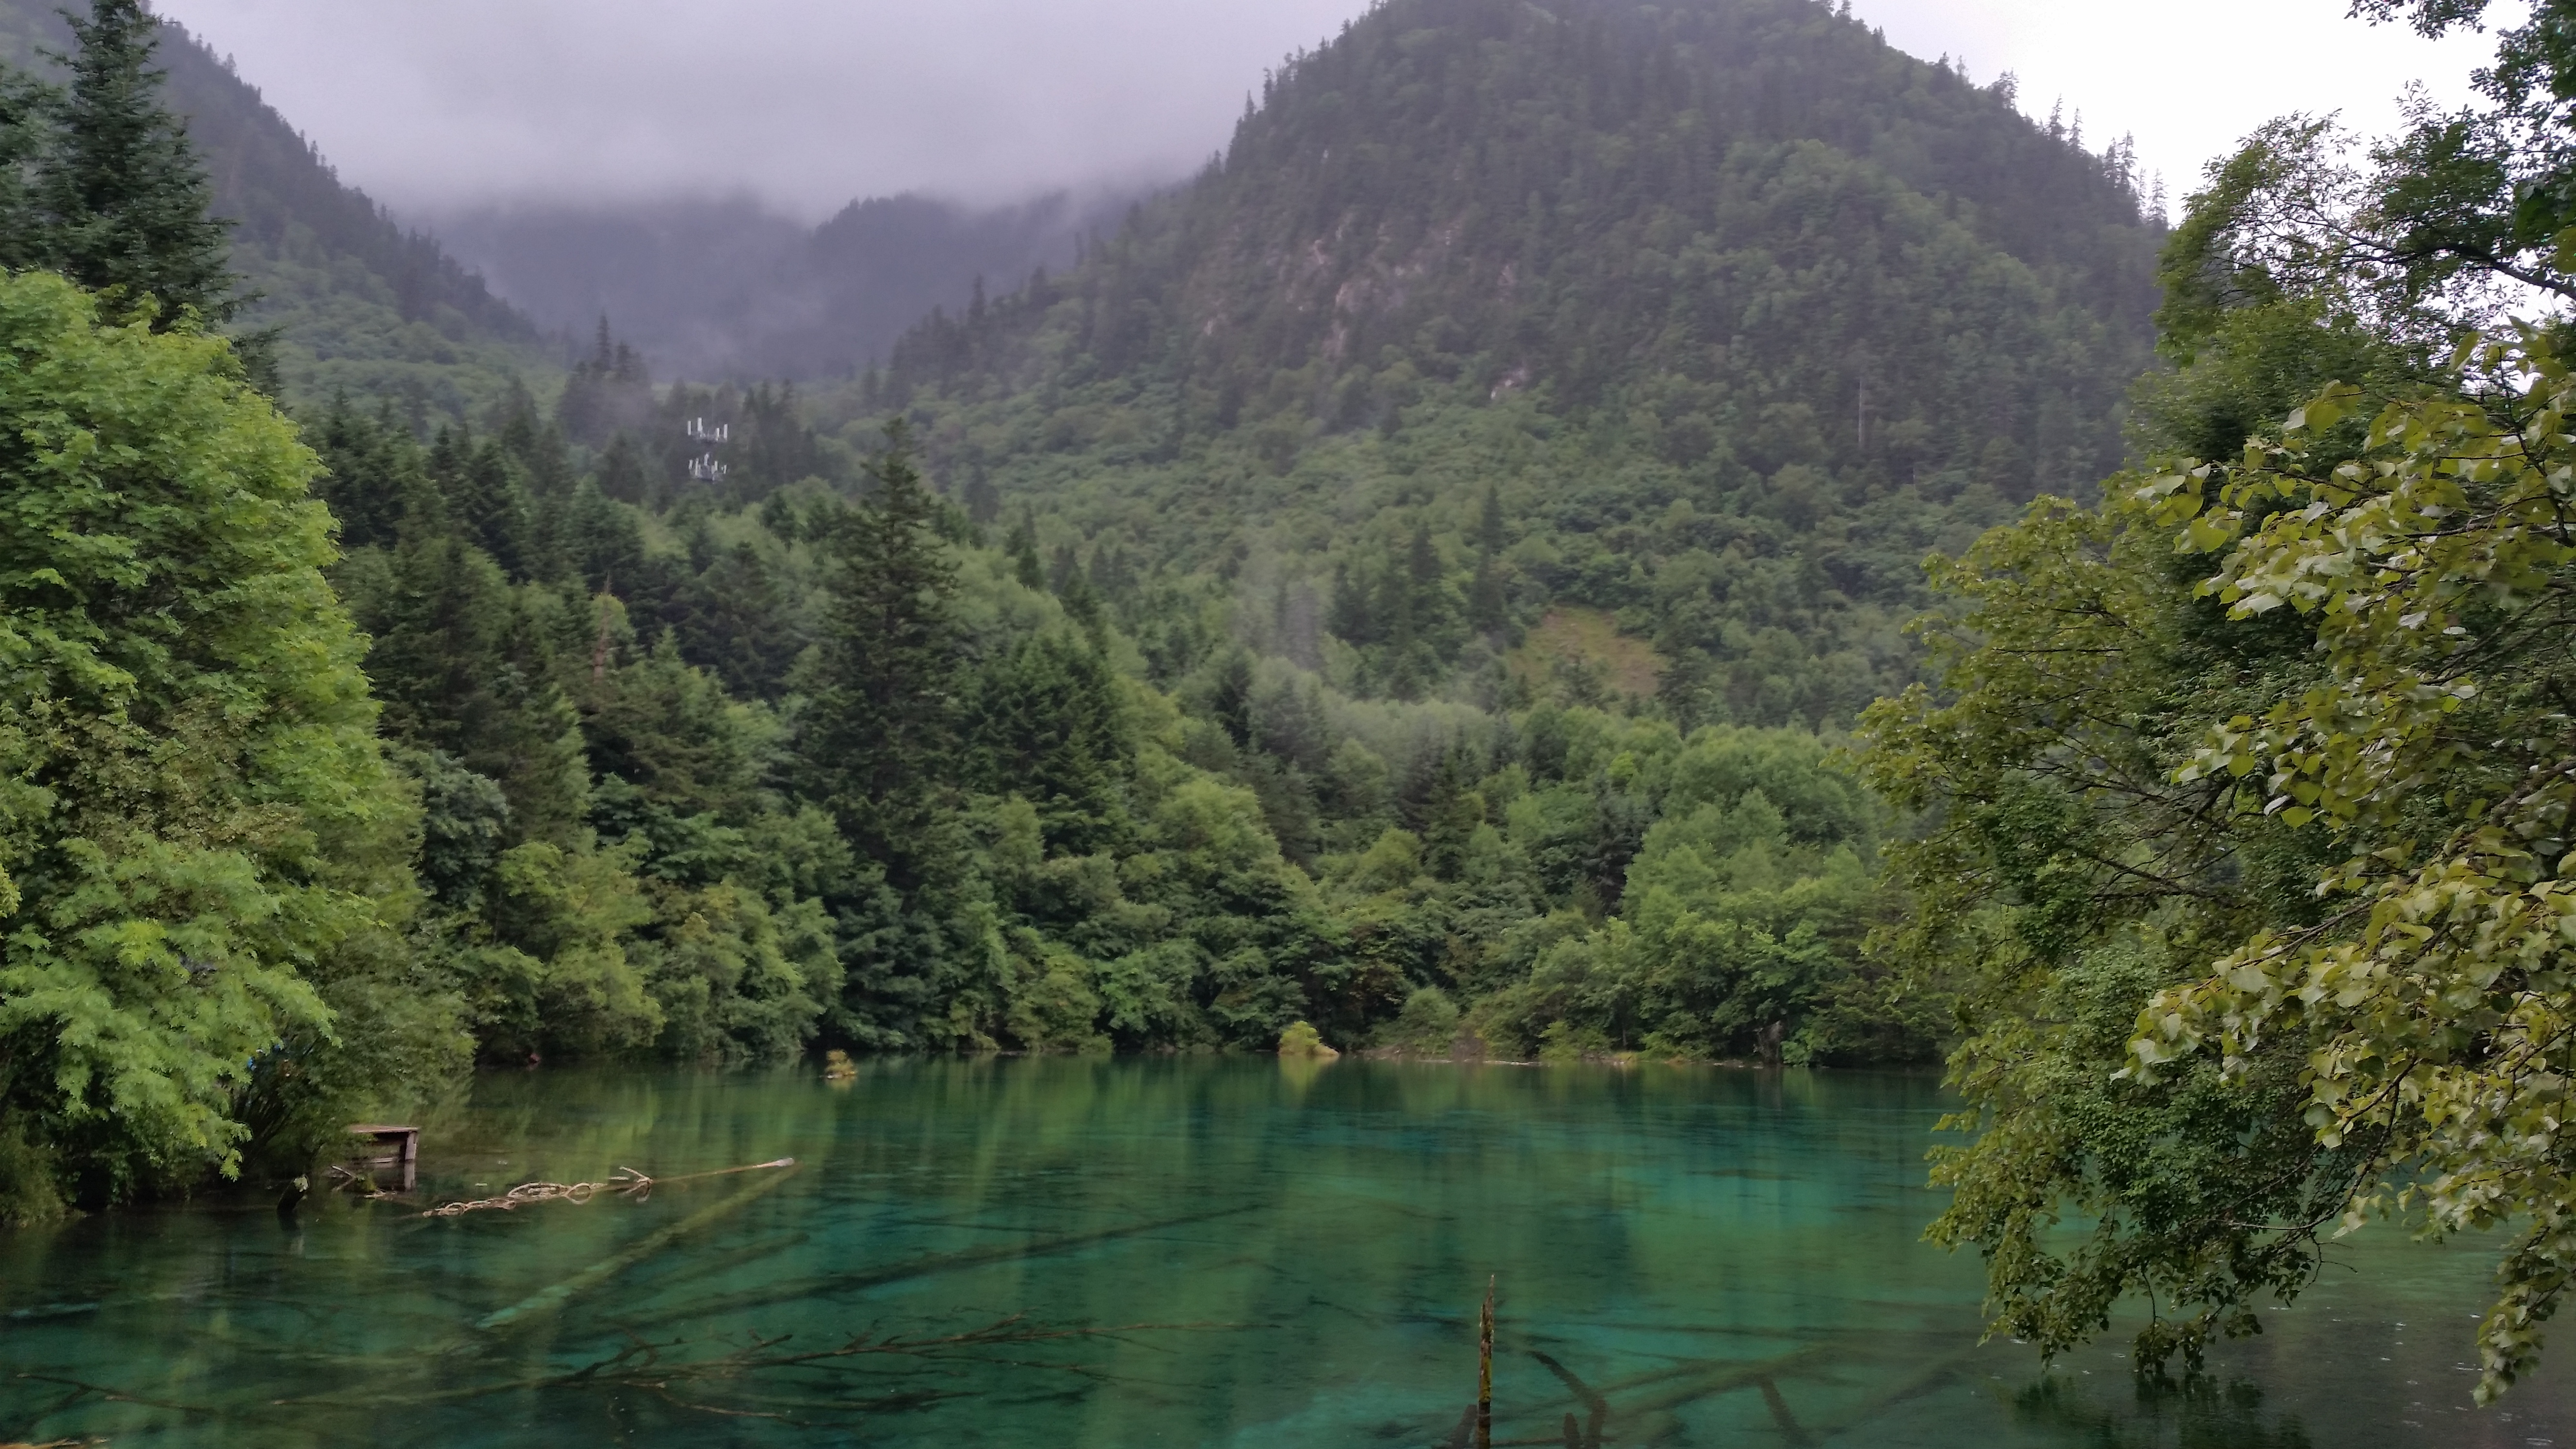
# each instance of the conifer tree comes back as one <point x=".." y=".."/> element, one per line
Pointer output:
<point x="1081" y="601"/>
<point x="1231" y="699"/>
<point x="121" y="196"/>
<point x="884" y="728"/>
<point x="378" y="481"/>
<point x="1023" y="549"/>
<point x="622" y="471"/>
<point x="983" y="500"/>
<point x="1351" y="619"/>
<point x="488" y="502"/>
<point x="737" y="621"/>
<point x="1049" y="726"/>
<point x="1451" y="814"/>
<point x="26" y="117"/>
<point x="1489" y="599"/>
<point x="1422" y="571"/>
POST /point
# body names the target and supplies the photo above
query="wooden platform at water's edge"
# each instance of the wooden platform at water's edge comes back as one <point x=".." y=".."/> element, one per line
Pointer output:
<point x="397" y="1147"/>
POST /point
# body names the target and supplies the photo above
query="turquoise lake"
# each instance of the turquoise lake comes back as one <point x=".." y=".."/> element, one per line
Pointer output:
<point x="1218" y="1252"/>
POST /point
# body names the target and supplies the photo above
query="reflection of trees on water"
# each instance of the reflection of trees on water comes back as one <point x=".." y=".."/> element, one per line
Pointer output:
<point x="1804" y="1394"/>
<point x="783" y="1377"/>
<point x="1646" y="1408"/>
<point x="873" y="1374"/>
<point x="974" y="1254"/>
<point x="2193" y="1412"/>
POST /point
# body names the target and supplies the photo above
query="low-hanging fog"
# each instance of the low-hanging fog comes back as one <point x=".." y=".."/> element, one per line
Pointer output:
<point x="666" y="163"/>
<point x="807" y="104"/>
<point x="436" y="105"/>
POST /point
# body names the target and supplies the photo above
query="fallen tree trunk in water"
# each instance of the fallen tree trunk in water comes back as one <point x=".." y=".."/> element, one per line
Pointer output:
<point x="625" y="1182"/>
<point x="546" y="1300"/>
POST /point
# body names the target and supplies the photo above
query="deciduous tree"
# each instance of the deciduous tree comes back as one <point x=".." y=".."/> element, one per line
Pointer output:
<point x="202" y="851"/>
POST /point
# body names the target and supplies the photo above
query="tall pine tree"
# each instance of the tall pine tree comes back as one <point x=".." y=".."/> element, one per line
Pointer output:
<point x="884" y="731"/>
<point x="27" y="108"/>
<point x="121" y="198"/>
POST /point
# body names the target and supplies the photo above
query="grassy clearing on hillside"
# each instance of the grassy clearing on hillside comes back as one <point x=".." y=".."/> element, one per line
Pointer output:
<point x="1582" y="652"/>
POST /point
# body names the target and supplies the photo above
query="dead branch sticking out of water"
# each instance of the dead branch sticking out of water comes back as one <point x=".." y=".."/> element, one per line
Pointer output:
<point x="1647" y="1400"/>
<point x="624" y="1182"/>
<point x="359" y="1184"/>
<point x="1485" y="1371"/>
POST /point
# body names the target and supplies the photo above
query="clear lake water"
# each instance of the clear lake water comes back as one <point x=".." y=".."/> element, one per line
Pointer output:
<point x="1171" y="1251"/>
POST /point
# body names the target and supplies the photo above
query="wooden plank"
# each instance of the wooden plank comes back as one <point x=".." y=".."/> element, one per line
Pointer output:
<point x="403" y="1138"/>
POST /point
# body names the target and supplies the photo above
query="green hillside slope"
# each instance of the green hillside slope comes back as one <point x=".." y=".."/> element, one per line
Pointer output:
<point x="1392" y="587"/>
<point x="358" y="302"/>
<point x="1735" y="310"/>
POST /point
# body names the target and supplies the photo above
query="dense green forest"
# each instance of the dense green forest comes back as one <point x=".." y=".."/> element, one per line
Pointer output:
<point x="1100" y="689"/>
<point x="1457" y="774"/>
<point x="1027" y="843"/>
<point x="708" y="727"/>
<point x="1153" y="786"/>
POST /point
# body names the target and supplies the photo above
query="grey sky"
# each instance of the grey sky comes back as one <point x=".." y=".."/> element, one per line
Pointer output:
<point x="2188" y="78"/>
<point x="432" y="104"/>
<point x="809" y="103"/>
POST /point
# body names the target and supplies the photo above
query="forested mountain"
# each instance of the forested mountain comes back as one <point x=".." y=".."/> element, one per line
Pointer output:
<point x="729" y="736"/>
<point x="1393" y="583"/>
<point x="716" y="290"/>
<point x="1406" y="583"/>
<point x="1739" y="310"/>
<point x="358" y="302"/>
<point x="1370" y="589"/>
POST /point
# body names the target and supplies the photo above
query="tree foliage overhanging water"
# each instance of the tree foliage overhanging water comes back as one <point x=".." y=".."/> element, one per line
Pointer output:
<point x="2249" y="785"/>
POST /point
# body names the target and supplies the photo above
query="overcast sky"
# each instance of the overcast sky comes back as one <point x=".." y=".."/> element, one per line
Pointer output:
<point x="436" y="104"/>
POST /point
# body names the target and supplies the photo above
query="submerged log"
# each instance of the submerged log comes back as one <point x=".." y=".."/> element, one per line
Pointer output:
<point x="1596" y="1408"/>
<point x="826" y="1285"/>
<point x="547" y="1300"/>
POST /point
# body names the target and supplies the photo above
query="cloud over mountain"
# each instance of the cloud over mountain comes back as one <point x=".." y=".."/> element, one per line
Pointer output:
<point x="434" y="104"/>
